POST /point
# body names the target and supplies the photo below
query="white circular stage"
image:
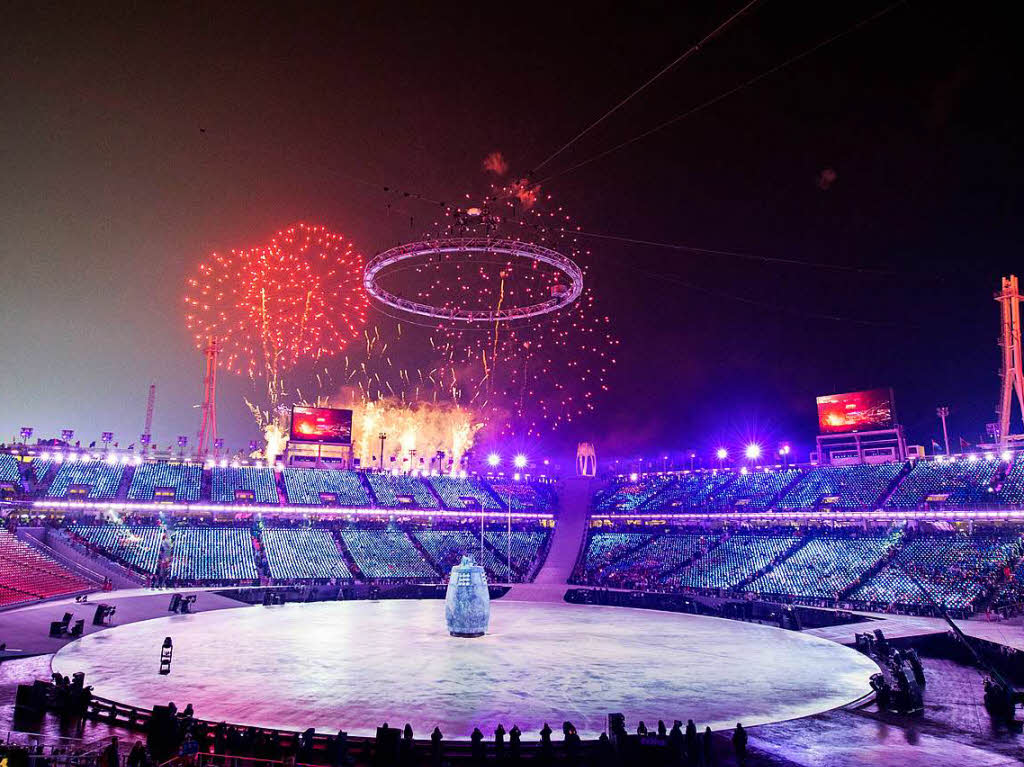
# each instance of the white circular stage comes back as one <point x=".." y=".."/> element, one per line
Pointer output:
<point x="354" y="665"/>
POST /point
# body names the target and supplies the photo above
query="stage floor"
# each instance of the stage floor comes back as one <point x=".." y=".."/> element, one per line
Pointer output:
<point x="354" y="665"/>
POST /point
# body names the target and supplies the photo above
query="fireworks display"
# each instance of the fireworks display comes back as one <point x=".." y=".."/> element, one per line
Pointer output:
<point x="520" y="377"/>
<point x="417" y="433"/>
<point x="431" y="384"/>
<point x="297" y="298"/>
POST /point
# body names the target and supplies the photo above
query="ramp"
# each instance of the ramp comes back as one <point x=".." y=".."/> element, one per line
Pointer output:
<point x="552" y="581"/>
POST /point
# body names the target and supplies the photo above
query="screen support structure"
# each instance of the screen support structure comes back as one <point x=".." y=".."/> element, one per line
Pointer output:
<point x="1011" y="375"/>
<point x="861" y="441"/>
<point x="208" y="426"/>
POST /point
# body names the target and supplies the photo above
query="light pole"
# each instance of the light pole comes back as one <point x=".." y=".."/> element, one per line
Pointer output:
<point x="383" y="437"/>
<point x="943" y="413"/>
<point x="784" y="452"/>
<point x="721" y="454"/>
<point x="494" y="460"/>
<point x="520" y="463"/>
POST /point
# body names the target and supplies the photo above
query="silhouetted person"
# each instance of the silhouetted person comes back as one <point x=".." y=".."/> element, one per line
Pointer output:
<point x="405" y="747"/>
<point x="739" y="743"/>
<point x="435" y="746"/>
<point x="708" y="749"/>
<point x="110" y="757"/>
<point x="573" y="744"/>
<point x="499" y="743"/>
<point x="676" y="742"/>
<point x="477" y="747"/>
<point x="641" y="729"/>
<point x="691" y="743"/>
<point x="605" y="756"/>
<point x="545" y="744"/>
<point x="662" y="732"/>
<point x="137" y="756"/>
<point x="513" y="742"/>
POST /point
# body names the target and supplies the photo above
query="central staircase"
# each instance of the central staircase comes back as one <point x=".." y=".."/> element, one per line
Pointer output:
<point x="552" y="580"/>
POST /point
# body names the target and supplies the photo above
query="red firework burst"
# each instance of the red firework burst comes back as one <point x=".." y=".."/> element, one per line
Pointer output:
<point x="299" y="297"/>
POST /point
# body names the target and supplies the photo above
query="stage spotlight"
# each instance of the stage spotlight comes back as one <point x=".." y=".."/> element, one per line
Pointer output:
<point x="753" y="451"/>
<point x="722" y="454"/>
<point x="493" y="460"/>
<point x="520" y="461"/>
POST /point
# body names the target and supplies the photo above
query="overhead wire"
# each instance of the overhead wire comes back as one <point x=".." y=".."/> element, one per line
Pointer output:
<point x="665" y="70"/>
<point x="726" y="94"/>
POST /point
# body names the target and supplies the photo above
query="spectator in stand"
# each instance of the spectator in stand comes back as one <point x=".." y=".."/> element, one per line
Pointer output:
<point x="708" y="748"/>
<point x="739" y="743"/>
<point x="513" y="743"/>
<point x="435" y="747"/>
<point x="477" y="747"/>
<point x="110" y="756"/>
<point x="692" y="749"/>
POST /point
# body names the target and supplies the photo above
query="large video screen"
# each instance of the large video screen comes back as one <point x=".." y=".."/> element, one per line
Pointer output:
<point x="856" y="411"/>
<point x="321" y="424"/>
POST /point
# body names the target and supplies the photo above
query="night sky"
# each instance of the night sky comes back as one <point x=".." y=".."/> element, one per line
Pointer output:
<point x="136" y="140"/>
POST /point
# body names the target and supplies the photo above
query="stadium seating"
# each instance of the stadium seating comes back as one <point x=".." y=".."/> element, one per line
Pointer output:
<point x="304" y="487"/>
<point x="853" y="487"/>
<point x="631" y="495"/>
<point x="185" y="478"/>
<point x="526" y="548"/>
<point x="451" y="491"/>
<point x="824" y="567"/>
<point x="304" y="552"/>
<point x="41" y="467"/>
<point x="386" y="554"/>
<point x="687" y="491"/>
<point x="1010" y="490"/>
<point x="26" y="575"/>
<point x="136" y="547"/>
<point x="521" y="496"/>
<point x="733" y="561"/>
<point x="753" y="490"/>
<point x="213" y="554"/>
<point x="603" y="548"/>
<point x="9" y="469"/>
<point x="954" y="569"/>
<point x="951" y="483"/>
<point x="387" y="488"/>
<point x="103" y="479"/>
<point x="447" y="547"/>
<point x="643" y="567"/>
<point x="260" y="480"/>
<point x="1011" y="590"/>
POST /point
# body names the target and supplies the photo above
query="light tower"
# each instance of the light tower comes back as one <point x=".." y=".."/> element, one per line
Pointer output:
<point x="943" y="413"/>
<point x="208" y="427"/>
<point x="1012" y="378"/>
<point x="147" y="431"/>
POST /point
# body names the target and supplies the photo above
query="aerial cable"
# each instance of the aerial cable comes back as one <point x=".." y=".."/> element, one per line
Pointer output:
<point x="665" y="70"/>
<point x="711" y="102"/>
